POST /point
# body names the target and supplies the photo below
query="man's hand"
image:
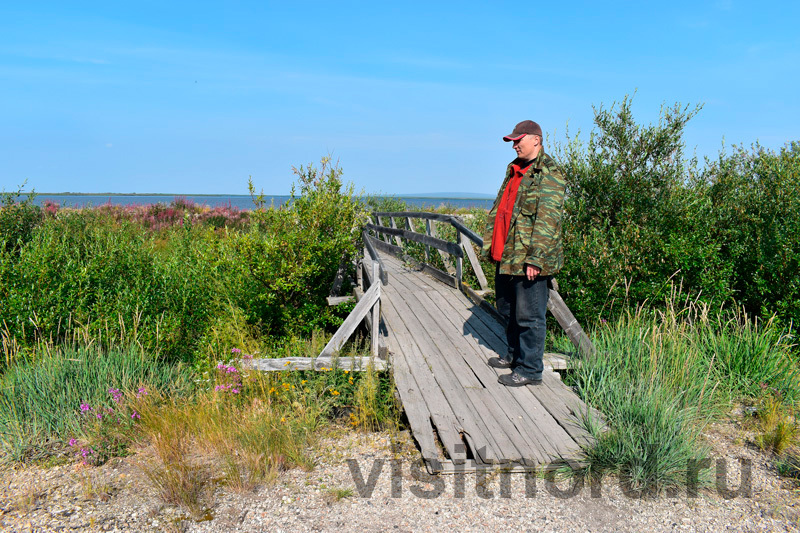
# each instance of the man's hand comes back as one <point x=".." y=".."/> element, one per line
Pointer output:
<point x="531" y="272"/>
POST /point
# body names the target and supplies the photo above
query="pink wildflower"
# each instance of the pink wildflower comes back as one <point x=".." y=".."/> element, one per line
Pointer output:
<point x="73" y="441"/>
<point x="85" y="407"/>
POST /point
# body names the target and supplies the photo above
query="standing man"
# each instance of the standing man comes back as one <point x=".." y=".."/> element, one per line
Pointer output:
<point x="523" y="237"/>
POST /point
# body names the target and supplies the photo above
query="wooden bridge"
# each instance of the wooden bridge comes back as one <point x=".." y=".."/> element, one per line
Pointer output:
<point x="437" y="334"/>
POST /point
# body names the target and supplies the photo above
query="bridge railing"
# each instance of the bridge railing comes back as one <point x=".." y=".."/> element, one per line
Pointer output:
<point x="452" y="253"/>
<point x="457" y="251"/>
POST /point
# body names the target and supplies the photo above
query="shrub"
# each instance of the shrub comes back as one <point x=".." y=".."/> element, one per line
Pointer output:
<point x="635" y="216"/>
<point x="287" y="262"/>
<point x="17" y="220"/>
<point x="110" y="282"/>
<point x="755" y="196"/>
<point x="181" y="280"/>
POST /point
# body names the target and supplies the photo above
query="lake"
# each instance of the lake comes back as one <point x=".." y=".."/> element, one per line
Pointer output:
<point x="241" y="201"/>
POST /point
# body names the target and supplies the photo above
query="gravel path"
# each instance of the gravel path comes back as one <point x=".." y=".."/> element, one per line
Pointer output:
<point x="117" y="497"/>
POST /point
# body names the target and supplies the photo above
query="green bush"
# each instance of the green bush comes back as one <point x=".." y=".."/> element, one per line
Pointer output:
<point x="287" y="262"/>
<point x="755" y="196"/>
<point x="17" y="220"/>
<point x="83" y="275"/>
<point x="176" y="284"/>
<point x="636" y="217"/>
<point x="640" y="216"/>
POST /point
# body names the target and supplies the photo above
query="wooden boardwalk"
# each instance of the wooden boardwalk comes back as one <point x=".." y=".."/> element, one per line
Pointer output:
<point x="438" y="342"/>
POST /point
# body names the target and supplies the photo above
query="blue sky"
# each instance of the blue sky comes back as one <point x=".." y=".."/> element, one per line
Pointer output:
<point x="411" y="97"/>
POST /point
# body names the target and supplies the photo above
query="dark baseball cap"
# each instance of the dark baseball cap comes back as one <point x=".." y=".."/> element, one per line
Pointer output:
<point x="526" y="127"/>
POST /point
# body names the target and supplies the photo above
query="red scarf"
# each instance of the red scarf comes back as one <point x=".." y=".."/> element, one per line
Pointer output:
<point x="502" y="220"/>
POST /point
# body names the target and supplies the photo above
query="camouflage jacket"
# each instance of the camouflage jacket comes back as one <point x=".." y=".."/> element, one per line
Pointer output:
<point x="534" y="235"/>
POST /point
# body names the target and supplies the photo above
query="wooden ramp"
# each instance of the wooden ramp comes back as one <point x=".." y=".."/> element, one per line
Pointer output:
<point x="438" y="342"/>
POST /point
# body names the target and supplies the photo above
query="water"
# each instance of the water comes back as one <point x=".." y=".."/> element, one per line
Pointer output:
<point x="240" y="201"/>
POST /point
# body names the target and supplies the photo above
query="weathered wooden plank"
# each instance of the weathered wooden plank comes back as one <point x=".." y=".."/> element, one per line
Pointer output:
<point x="383" y="350"/>
<point x="452" y="343"/>
<point x="471" y="467"/>
<point x="527" y="451"/>
<point x="374" y="324"/>
<point x="486" y="326"/>
<point x="414" y="405"/>
<point x="445" y="259"/>
<point x="570" y="324"/>
<point x="425" y="268"/>
<point x="521" y="419"/>
<point x="427" y="248"/>
<point x="433" y="241"/>
<point x="352" y="321"/>
<point x="338" y="300"/>
<point x="564" y="408"/>
<point x="473" y="261"/>
<point x="386" y="247"/>
<point x="397" y="239"/>
<point x="355" y="364"/>
<point x="442" y="300"/>
<point x="382" y="236"/>
<point x="373" y="254"/>
<point x="338" y="279"/>
<point x="448" y="354"/>
<point x="482" y="441"/>
<point x="458" y="308"/>
<point x="453" y="220"/>
<point x="419" y="378"/>
<point x="549" y="401"/>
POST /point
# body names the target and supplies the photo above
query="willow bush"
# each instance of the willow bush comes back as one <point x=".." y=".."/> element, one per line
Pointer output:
<point x="184" y="284"/>
<point x="640" y="215"/>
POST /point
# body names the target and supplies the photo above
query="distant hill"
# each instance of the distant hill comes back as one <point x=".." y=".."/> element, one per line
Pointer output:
<point x="454" y="195"/>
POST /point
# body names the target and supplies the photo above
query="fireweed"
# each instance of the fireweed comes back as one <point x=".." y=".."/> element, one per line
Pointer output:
<point x="107" y="429"/>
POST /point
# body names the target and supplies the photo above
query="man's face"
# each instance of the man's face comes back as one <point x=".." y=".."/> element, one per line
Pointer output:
<point x="527" y="147"/>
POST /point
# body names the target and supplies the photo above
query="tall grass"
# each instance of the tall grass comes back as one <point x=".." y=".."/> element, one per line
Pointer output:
<point x="40" y="399"/>
<point x="243" y="428"/>
<point x="659" y="376"/>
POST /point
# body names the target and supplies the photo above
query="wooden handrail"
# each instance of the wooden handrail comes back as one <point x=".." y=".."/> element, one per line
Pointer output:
<point x="453" y="220"/>
<point x="446" y="246"/>
<point x="556" y="304"/>
<point x="374" y="256"/>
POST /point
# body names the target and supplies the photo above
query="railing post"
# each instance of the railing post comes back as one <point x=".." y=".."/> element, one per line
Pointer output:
<point x="428" y="233"/>
<point x="466" y="244"/>
<point x="448" y="265"/>
<point x="397" y="239"/>
<point x="376" y="312"/>
<point x="459" y="263"/>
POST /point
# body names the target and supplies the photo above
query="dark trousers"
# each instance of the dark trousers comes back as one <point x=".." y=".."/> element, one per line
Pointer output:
<point x="523" y="303"/>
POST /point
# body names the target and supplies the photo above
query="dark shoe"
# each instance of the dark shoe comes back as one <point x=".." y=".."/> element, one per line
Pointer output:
<point x="515" y="380"/>
<point x="499" y="362"/>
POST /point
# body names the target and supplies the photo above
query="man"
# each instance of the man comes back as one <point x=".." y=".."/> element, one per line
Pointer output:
<point x="523" y="237"/>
